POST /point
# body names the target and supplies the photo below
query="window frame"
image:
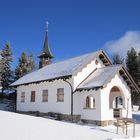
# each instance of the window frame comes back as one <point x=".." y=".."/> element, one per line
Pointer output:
<point x="22" y="97"/>
<point x="90" y="102"/>
<point x="60" y="92"/>
<point x="43" y="95"/>
<point x="33" y="95"/>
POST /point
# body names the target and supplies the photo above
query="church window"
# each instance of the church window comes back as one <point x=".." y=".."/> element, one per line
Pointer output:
<point x="22" y="97"/>
<point x="32" y="96"/>
<point x="45" y="96"/>
<point x="60" y="95"/>
<point x="90" y="102"/>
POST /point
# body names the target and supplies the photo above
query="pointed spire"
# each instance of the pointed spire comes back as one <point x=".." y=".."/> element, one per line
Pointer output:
<point x="46" y="53"/>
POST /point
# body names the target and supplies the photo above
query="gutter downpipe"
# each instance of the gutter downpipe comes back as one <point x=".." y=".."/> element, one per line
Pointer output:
<point x="72" y="92"/>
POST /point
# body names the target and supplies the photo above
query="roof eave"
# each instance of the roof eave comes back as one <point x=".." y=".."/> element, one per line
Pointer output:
<point x="45" y="56"/>
<point x="89" y="88"/>
<point x="37" y="82"/>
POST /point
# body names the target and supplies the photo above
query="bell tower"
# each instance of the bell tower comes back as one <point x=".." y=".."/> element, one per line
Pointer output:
<point x="45" y="56"/>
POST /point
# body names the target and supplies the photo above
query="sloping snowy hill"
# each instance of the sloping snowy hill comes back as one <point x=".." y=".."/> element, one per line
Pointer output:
<point x="22" y="127"/>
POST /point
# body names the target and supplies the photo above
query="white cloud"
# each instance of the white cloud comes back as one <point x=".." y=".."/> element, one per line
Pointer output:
<point x="123" y="44"/>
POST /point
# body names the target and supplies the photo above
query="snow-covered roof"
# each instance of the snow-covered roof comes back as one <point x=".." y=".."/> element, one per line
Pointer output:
<point x="100" y="77"/>
<point x="59" y="69"/>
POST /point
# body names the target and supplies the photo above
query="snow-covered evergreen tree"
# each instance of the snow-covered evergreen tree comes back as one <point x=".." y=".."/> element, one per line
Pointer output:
<point x="26" y="64"/>
<point x="138" y="69"/>
<point x="117" y="59"/>
<point x="6" y="72"/>
<point x="31" y="63"/>
<point x="21" y="69"/>
<point x="0" y="69"/>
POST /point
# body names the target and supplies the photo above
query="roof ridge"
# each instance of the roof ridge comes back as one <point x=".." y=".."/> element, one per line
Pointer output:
<point x="72" y="58"/>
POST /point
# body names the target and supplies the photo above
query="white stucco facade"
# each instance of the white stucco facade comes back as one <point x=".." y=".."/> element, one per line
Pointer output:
<point x="80" y="105"/>
<point x="81" y="75"/>
<point x="52" y="105"/>
<point x="102" y="110"/>
<point x="103" y="96"/>
<point x="107" y="112"/>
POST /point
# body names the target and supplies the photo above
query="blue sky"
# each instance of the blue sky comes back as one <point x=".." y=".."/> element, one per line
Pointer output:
<point x="76" y="26"/>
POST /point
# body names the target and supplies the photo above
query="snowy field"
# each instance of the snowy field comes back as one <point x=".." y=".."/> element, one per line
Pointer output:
<point x="15" y="126"/>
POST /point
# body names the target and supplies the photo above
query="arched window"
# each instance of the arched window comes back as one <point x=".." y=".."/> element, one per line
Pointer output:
<point x="93" y="102"/>
<point x="90" y="102"/>
<point x="87" y="102"/>
<point x="116" y="99"/>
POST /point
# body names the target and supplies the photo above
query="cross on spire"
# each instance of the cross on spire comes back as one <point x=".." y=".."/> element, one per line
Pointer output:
<point x="47" y="24"/>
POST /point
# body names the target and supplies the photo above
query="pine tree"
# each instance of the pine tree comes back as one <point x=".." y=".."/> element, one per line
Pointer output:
<point x="0" y="69"/>
<point x="21" y="69"/>
<point x="6" y="72"/>
<point x="138" y="75"/>
<point x="31" y="63"/>
<point x="132" y="67"/>
<point x="26" y="64"/>
<point x="132" y="64"/>
<point x="117" y="59"/>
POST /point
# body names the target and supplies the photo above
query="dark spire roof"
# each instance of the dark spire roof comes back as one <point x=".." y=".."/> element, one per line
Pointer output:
<point x="46" y="53"/>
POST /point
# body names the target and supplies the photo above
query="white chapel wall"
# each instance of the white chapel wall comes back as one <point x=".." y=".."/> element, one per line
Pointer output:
<point x="52" y="105"/>
<point x="80" y="105"/>
<point x="106" y="111"/>
<point x="81" y="75"/>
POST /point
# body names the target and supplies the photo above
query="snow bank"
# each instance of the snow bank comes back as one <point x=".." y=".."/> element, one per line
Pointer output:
<point x="130" y="138"/>
<point x="15" y="126"/>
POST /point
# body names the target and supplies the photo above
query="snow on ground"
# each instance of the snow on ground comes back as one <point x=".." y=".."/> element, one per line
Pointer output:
<point x="15" y="126"/>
